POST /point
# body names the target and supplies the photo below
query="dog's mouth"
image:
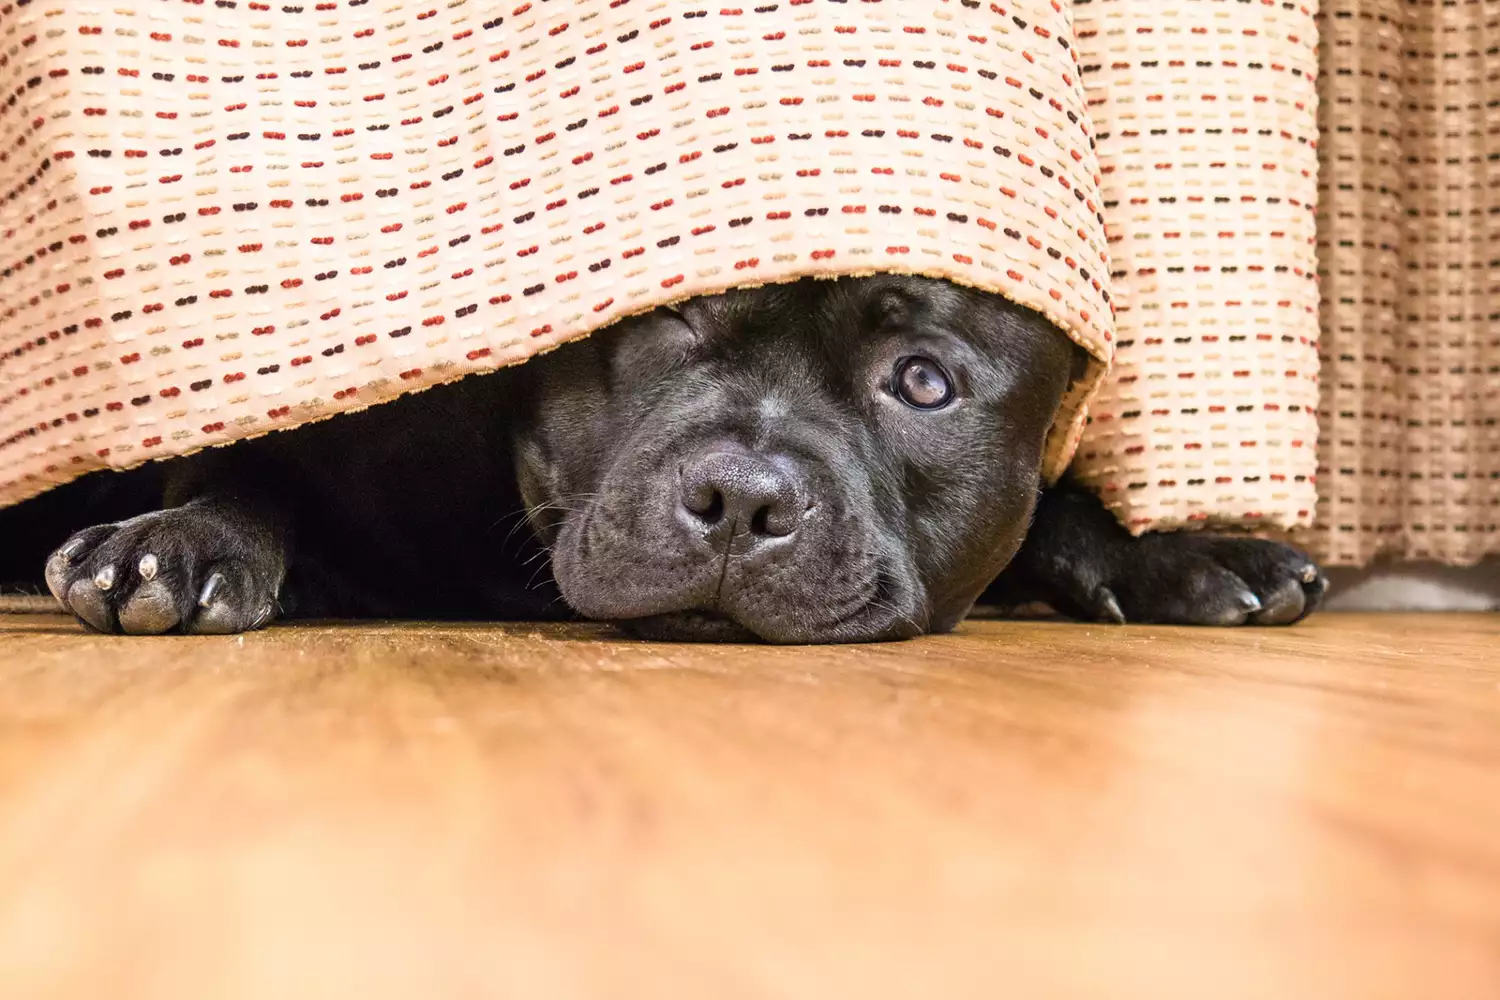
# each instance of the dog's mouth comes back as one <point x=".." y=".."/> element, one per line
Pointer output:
<point x="869" y="622"/>
<point x="689" y="626"/>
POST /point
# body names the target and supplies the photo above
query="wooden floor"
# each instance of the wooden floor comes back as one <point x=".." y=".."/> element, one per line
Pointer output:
<point x="1023" y="810"/>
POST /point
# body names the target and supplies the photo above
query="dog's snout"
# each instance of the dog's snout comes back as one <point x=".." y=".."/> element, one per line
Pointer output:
<point x="737" y="492"/>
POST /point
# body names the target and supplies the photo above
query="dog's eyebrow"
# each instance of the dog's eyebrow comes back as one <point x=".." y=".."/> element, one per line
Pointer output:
<point x="891" y="306"/>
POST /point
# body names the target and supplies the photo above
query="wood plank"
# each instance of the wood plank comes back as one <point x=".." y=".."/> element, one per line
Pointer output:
<point x="1024" y="809"/>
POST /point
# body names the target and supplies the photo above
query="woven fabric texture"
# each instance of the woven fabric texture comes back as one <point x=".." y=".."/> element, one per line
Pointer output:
<point x="1205" y="112"/>
<point x="1409" y="241"/>
<point x="223" y="219"/>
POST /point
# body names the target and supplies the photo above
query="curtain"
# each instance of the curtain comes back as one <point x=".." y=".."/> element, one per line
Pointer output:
<point x="1245" y="393"/>
<point x="1409" y="259"/>
<point x="222" y="221"/>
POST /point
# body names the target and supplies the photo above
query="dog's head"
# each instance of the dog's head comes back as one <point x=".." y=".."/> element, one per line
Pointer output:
<point x="813" y="462"/>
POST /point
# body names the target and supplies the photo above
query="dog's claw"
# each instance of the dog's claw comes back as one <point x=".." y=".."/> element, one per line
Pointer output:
<point x="1310" y="574"/>
<point x="210" y="590"/>
<point x="1110" y="605"/>
<point x="105" y="578"/>
<point x="1249" y="603"/>
<point x="67" y="552"/>
<point x="148" y="567"/>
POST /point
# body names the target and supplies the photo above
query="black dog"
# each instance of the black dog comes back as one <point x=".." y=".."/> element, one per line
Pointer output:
<point x="816" y="462"/>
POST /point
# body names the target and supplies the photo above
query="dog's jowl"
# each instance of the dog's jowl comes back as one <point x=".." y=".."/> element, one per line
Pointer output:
<point x="820" y="461"/>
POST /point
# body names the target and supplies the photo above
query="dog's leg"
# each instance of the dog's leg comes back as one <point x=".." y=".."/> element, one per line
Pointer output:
<point x="1078" y="559"/>
<point x="211" y="562"/>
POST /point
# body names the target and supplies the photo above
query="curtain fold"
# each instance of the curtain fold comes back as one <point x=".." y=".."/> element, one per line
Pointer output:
<point x="1205" y="114"/>
<point x="1409" y="257"/>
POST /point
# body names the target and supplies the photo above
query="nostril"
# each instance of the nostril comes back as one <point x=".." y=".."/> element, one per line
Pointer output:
<point x="760" y="523"/>
<point x="777" y="519"/>
<point x="704" y="502"/>
<point x="714" y="513"/>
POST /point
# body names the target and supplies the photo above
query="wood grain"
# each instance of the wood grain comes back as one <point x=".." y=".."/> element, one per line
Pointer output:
<point x="1020" y="810"/>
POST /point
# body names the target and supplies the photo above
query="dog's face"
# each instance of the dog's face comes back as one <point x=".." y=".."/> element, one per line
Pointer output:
<point x="821" y="461"/>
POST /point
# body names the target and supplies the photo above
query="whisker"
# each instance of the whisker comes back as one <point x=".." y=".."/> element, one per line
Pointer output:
<point x="880" y="605"/>
<point x="525" y="515"/>
<point x="533" y="584"/>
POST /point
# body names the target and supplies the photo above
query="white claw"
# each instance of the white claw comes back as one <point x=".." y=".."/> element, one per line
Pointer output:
<point x="148" y="567"/>
<point x="105" y="578"/>
<point x="210" y="590"/>
<point x="264" y="616"/>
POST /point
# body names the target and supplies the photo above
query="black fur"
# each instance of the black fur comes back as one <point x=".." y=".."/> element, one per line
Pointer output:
<point x="740" y="468"/>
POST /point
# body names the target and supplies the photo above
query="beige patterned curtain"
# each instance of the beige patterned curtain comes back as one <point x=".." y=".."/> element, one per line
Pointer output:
<point x="1409" y="254"/>
<point x="223" y="220"/>
<point x="1205" y="115"/>
<point x="1219" y="125"/>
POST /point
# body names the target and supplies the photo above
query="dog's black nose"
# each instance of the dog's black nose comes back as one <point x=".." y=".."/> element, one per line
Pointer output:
<point x="737" y="492"/>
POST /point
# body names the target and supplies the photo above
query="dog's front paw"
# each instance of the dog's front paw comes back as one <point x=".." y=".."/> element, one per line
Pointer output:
<point x="1183" y="579"/>
<point x="195" y="569"/>
<point x="1078" y="559"/>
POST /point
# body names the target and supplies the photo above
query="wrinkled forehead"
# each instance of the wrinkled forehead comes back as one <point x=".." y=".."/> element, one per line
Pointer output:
<point x="743" y="310"/>
<point x="829" y="312"/>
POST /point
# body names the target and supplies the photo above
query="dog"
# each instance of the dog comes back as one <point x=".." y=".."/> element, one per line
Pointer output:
<point x="821" y="461"/>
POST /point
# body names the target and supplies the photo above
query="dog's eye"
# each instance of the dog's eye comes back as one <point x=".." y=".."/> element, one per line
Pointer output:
<point x="922" y="383"/>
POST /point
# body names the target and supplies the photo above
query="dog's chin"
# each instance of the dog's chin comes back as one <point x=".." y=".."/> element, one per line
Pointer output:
<point x="688" y="626"/>
<point x="709" y="626"/>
